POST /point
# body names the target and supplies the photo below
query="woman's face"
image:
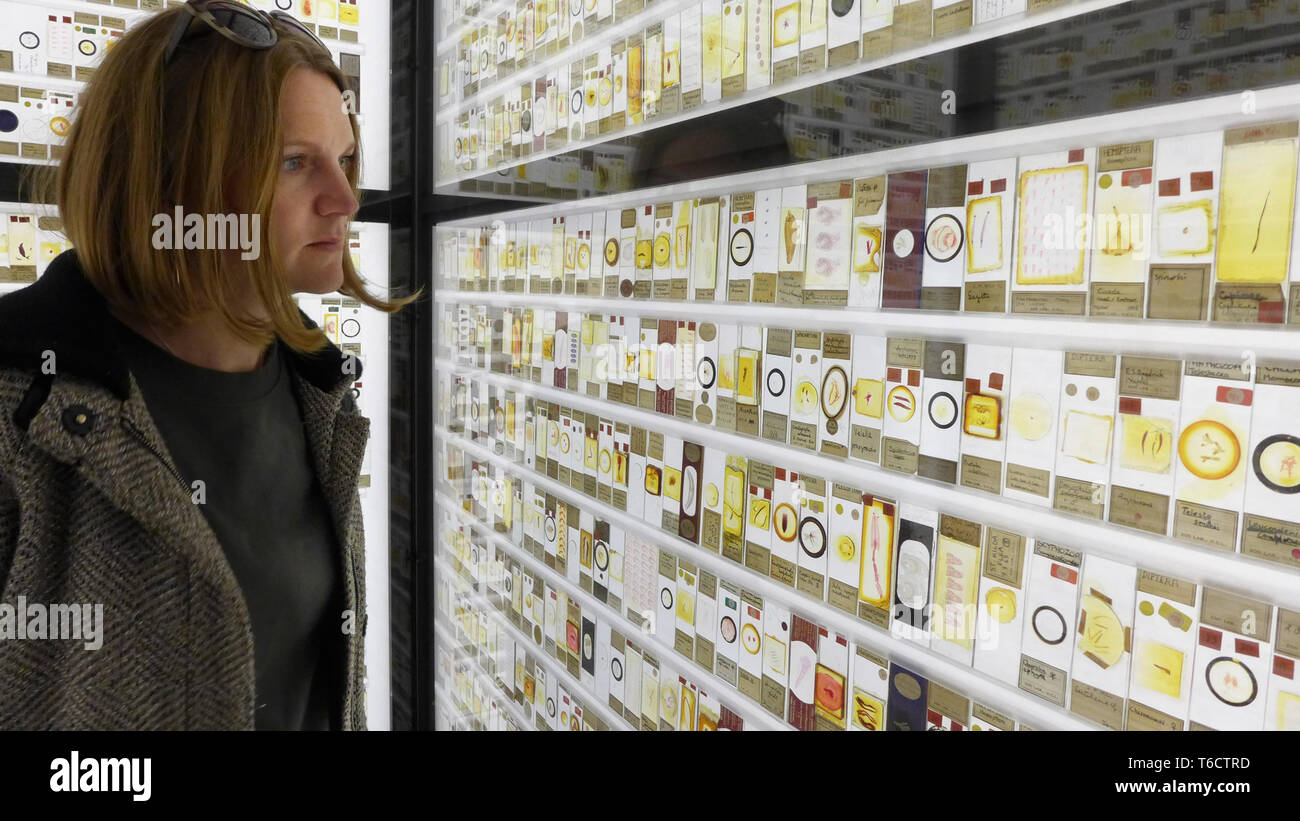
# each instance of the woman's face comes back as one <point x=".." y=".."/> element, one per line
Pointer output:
<point x="313" y="201"/>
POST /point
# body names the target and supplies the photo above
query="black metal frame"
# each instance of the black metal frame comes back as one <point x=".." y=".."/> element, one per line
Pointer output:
<point x="403" y="208"/>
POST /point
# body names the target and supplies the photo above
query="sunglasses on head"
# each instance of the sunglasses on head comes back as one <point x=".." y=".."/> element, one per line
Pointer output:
<point x="249" y="27"/>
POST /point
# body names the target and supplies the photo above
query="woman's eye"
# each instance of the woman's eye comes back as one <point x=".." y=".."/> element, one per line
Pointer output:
<point x="292" y="163"/>
<point x="346" y="162"/>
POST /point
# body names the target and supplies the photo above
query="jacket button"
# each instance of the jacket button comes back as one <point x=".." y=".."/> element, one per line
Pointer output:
<point x="78" y="420"/>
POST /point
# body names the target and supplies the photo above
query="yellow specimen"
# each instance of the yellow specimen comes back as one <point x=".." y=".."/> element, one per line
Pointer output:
<point x="1160" y="668"/>
<point x="868" y="397"/>
<point x="1147" y="443"/>
<point x="1255" y="211"/>
<point x="983" y="416"/>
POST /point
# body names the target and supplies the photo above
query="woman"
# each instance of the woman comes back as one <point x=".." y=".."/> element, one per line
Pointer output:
<point x="178" y="443"/>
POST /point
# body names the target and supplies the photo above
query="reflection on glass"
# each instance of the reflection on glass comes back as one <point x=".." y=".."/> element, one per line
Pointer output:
<point x="1125" y="57"/>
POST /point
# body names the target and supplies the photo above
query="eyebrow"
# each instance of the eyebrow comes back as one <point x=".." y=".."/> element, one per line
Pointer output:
<point x="308" y="144"/>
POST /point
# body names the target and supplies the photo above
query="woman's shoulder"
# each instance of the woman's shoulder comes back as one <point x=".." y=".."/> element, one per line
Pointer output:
<point x="60" y="314"/>
<point x="15" y="383"/>
<point x="54" y="328"/>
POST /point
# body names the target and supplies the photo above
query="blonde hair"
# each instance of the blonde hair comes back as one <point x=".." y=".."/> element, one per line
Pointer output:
<point x="204" y="134"/>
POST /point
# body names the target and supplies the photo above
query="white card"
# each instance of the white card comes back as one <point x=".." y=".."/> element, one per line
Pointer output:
<point x="1032" y="427"/>
<point x="990" y="224"/>
<point x="1000" y="614"/>
<point x="1164" y="646"/>
<point x="1283" y="711"/>
<point x="1210" y="473"/>
<point x="1102" y="647"/>
<point x="1047" y="644"/>
<point x="914" y="573"/>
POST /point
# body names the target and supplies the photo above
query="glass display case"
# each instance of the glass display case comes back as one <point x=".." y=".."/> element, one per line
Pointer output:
<point x="866" y="365"/>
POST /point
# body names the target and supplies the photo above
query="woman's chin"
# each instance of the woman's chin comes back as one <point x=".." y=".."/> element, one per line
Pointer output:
<point x="318" y="282"/>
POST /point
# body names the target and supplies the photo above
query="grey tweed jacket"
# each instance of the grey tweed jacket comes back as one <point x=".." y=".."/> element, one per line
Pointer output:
<point x="93" y="510"/>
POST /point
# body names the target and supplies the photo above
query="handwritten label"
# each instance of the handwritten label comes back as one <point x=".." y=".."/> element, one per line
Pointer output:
<point x="1004" y="556"/>
<point x="1271" y="539"/>
<point x="1043" y="680"/>
<point x="1204" y="525"/>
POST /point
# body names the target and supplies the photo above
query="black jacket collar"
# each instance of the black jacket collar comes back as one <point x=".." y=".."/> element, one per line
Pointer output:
<point x="62" y="312"/>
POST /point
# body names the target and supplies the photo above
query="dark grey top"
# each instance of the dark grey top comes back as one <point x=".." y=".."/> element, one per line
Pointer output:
<point x="242" y="435"/>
